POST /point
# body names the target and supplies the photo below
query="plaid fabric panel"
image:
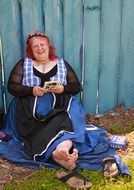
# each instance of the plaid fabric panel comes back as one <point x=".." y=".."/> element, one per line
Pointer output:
<point x="29" y="79"/>
<point x="61" y="72"/>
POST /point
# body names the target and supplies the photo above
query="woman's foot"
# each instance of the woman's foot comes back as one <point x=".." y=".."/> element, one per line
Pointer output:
<point x="61" y="154"/>
<point x="62" y="150"/>
<point x="70" y="161"/>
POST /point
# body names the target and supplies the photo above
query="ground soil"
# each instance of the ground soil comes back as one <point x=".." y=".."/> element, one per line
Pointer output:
<point x="119" y="117"/>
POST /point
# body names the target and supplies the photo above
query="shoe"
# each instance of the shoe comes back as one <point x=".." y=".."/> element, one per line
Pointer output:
<point x="110" y="167"/>
<point x="73" y="181"/>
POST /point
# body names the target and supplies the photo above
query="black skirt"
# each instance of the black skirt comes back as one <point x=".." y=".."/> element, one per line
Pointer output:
<point x="36" y="134"/>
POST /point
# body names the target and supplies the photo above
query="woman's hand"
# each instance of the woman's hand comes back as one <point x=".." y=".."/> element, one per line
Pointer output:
<point x="58" y="89"/>
<point x="38" y="91"/>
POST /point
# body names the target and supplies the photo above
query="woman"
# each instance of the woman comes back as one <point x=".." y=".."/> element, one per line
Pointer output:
<point x="47" y="125"/>
<point x="27" y="81"/>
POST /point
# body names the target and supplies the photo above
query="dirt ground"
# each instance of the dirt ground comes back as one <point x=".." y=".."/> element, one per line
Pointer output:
<point x="119" y="117"/>
<point x="10" y="172"/>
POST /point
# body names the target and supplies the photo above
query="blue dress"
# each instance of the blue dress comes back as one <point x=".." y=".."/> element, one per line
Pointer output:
<point x="93" y="145"/>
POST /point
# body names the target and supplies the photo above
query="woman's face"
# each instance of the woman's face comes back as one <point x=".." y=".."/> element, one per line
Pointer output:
<point x="40" y="48"/>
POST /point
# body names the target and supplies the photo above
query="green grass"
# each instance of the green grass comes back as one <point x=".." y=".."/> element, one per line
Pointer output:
<point x="45" y="179"/>
<point x="114" y="129"/>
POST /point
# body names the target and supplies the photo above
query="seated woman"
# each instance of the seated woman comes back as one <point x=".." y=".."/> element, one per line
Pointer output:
<point x="47" y="124"/>
<point x="27" y="81"/>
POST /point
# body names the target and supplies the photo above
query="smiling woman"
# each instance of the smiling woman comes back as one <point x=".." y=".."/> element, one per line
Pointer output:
<point x="41" y="66"/>
<point x="40" y="49"/>
<point x="49" y="124"/>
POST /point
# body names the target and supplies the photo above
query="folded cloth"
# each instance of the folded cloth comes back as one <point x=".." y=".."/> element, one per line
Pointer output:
<point x="92" y="152"/>
<point x="4" y="136"/>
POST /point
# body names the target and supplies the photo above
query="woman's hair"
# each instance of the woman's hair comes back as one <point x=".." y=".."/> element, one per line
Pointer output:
<point x="29" y="53"/>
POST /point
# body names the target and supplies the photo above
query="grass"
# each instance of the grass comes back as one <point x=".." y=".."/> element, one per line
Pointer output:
<point x="114" y="129"/>
<point x="45" y="179"/>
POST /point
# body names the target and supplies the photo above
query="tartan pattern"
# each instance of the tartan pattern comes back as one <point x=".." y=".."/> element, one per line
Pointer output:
<point x="61" y="72"/>
<point x="29" y="79"/>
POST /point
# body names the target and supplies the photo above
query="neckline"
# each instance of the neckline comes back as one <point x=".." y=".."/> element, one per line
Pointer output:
<point x="49" y="72"/>
<point x="41" y="68"/>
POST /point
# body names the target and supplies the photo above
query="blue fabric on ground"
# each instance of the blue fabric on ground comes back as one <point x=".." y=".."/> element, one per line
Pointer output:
<point x="91" y="156"/>
<point x="95" y="148"/>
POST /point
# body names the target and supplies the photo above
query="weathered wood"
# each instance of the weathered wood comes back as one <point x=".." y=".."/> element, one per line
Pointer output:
<point x="10" y="33"/>
<point x="53" y="15"/>
<point x="126" y="82"/>
<point x="94" y="36"/>
<point x="110" y="31"/>
<point x="31" y="15"/>
<point x="73" y="23"/>
<point x="92" y="48"/>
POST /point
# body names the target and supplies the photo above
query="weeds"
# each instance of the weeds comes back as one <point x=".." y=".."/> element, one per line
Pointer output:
<point x="117" y="129"/>
<point x="45" y="180"/>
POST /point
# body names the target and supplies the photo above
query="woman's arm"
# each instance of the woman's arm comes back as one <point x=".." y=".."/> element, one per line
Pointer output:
<point x="73" y="84"/>
<point x="15" y="86"/>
